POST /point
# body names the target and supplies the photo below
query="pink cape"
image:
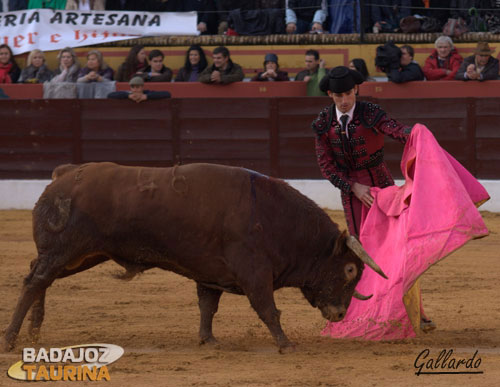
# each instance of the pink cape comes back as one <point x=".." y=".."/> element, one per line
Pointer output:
<point x="408" y="229"/>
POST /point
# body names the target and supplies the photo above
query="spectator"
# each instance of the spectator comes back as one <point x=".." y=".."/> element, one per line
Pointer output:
<point x="36" y="71"/>
<point x="444" y="61"/>
<point x="68" y="66"/>
<point x="224" y="70"/>
<point x="263" y="17"/>
<point x="271" y="70"/>
<point x="96" y="70"/>
<point x="156" y="71"/>
<point x="344" y="17"/>
<point x="313" y="73"/>
<point x="85" y="5"/>
<point x="135" y="62"/>
<point x="63" y="84"/>
<point x="386" y="15"/>
<point x="16" y="5"/>
<point x="126" y="5"/>
<point x="52" y="4"/>
<point x="359" y="65"/>
<point x="304" y="16"/>
<point x="409" y="70"/>
<point x="194" y="64"/>
<point x="479" y="67"/>
<point x="223" y="9"/>
<point x="207" y="17"/>
<point x="9" y="70"/>
<point x="137" y="92"/>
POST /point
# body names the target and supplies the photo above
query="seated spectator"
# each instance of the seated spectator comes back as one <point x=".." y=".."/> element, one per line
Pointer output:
<point x="409" y="70"/>
<point x="69" y="67"/>
<point x="444" y="61"/>
<point x="207" y="17"/>
<point x="224" y="70"/>
<point x="53" y="4"/>
<point x="344" y="17"/>
<point x="15" y="5"/>
<point x="259" y="17"/>
<point x="36" y="70"/>
<point x="223" y="9"/>
<point x="359" y="65"/>
<point x="156" y="71"/>
<point x="194" y="64"/>
<point x="479" y="67"/>
<point x="271" y="70"/>
<point x="63" y="83"/>
<point x="9" y="70"/>
<point x="135" y="62"/>
<point x="137" y="92"/>
<point x="304" y="16"/>
<point x="96" y="70"/>
<point x="85" y="5"/>
<point x="314" y="72"/>
<point x="386" y="15"/>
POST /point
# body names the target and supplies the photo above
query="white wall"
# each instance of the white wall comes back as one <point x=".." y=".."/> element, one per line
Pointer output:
<point x="23" y="194"/>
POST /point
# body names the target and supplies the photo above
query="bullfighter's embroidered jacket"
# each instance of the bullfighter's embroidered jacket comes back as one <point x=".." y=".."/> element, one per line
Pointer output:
<point x="363" y="149"/>
<point x="343" y="158"/>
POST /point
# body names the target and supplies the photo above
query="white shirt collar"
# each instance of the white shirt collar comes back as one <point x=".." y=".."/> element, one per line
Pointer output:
<point x="350" y="113"/>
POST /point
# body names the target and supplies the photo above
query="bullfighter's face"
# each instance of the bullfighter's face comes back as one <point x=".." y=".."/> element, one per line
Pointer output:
<point x="344" y="101"/>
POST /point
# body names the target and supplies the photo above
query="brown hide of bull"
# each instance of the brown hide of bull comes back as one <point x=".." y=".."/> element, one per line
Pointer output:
<point x="228" y="229"/>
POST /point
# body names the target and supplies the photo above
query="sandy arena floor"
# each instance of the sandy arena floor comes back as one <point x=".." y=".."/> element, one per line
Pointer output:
<point x="155" y="316"/>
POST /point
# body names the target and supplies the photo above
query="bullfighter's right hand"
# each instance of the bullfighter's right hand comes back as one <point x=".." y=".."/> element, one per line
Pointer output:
<point x="362" y="192"/>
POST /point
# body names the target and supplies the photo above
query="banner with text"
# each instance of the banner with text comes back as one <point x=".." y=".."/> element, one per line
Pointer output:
<point x="48" y="29"/>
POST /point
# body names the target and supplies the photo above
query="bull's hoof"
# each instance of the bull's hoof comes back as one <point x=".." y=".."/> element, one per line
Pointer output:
<point x="34" y="335"/>
<point x="5" y="345"/>
<point x="209" y="341"/>
<point x="287" y="348"/>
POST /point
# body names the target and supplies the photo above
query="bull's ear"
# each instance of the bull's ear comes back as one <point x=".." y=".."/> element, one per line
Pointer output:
<point x="340" y="244"/>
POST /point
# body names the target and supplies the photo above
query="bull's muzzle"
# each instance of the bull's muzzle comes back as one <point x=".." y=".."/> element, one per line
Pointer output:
<point x="333" y="313"/>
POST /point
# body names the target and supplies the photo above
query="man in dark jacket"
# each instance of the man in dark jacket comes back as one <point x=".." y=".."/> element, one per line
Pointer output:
<point x="409" y="70"/>
<point x="304" y="16"/>
<point x="479" y="67"/>
<point x="223" y="71"/>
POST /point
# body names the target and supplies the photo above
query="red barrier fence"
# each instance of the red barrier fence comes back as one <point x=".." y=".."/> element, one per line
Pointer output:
<point x="270" y="135"/>
<point x="420" y="90"/>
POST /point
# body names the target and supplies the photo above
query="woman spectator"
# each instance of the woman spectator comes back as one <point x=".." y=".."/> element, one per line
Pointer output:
<point x="359" y="65"/>
<point x="271" y="70"/>
<point x="68" y="66"/>
<point x="444" y="62"/>
<point x="36" y="70"/>
<point x="9" y="70"/>
<point x="85" y="5"/>
<point x="135" y="62"/>
<point x="96" y="70"/>
<point x="194" y="64"/>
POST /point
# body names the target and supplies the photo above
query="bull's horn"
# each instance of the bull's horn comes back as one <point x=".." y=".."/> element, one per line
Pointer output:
<point x="359" y="296"/>
<point x="355" y="246"/>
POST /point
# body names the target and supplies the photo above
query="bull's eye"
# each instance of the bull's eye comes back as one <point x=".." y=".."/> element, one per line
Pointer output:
<point x="351" y="271"/>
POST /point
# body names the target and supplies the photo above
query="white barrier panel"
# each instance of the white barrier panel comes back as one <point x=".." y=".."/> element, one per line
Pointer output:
<point x="23" y="194"/>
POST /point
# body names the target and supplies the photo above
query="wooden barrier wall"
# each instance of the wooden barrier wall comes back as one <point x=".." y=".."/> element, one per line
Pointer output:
<point x="270" y="135"/>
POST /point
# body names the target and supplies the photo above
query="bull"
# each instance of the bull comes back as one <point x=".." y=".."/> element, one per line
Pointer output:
<point x="229" y="229"/>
